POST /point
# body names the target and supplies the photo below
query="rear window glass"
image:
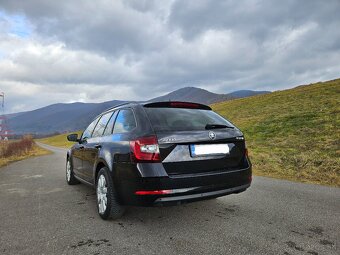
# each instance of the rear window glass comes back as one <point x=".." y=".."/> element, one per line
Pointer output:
<point x="180" y="119"/>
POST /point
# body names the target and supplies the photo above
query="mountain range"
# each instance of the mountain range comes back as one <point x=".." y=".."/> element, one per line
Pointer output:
<point x="59" y="118"/>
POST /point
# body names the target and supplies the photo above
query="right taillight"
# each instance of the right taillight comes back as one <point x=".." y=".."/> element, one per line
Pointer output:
<point x="145" y="149"/>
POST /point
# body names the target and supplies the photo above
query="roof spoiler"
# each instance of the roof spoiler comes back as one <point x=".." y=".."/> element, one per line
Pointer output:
<point x="177" y="104"/>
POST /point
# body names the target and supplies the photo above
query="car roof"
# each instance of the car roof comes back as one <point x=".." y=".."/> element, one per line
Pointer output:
<point x="162" y="104"/>
<point x="119" y="105"/>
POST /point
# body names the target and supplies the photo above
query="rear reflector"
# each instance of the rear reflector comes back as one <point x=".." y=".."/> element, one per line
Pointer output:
<point x="153" y="192"/>
<point x="145" y="149"/>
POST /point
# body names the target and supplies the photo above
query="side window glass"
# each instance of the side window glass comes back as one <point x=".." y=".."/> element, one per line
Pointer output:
<point x="98" y="131"/>
<point x="88" y="131"/>
<point x="125" y="121"/>
<point x="109" y="126"/>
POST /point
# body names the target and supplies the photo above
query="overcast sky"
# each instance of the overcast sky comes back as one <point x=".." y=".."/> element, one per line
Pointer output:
<point x="94" y="51"/>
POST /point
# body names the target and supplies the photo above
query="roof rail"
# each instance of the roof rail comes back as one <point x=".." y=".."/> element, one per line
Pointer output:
<point x="130" y="102"/>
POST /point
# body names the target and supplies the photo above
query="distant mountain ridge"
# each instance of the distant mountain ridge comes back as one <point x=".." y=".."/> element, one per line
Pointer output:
<point x="58" y="117"/>
<point x="76" y="116"/>
<point x="193" y="94"/>
<point x="203" y="96"/>
<point x="246" y="93"/>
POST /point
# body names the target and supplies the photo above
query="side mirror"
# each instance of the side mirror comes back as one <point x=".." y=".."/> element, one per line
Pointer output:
<point x="73" y="138"/>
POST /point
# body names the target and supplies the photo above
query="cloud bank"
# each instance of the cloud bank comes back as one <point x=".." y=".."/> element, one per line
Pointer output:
<point x="93" y="51"/>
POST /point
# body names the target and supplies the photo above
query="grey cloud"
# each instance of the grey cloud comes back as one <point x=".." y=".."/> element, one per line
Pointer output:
<point x="54" y="63"/>
<point x="108" y="27"/>
<point x="256" y="17"/>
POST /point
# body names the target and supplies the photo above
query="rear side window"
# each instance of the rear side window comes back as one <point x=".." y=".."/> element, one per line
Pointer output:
<point x="98" y="131"/>
<point x="88" y="131"/>
<point x="109" y="126"/>
<point x="125" y="121"/>
<point x="181" y="119"/>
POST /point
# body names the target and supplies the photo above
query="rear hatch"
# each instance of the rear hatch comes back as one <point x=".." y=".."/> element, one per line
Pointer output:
<point x="195" y="140"/>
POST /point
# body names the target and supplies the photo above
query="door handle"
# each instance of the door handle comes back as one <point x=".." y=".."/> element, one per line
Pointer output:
<point x="97" y="146"/>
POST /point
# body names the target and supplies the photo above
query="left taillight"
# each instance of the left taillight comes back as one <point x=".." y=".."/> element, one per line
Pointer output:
<point x="145" y="149"/>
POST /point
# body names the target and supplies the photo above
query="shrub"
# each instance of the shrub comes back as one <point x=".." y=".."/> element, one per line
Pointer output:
<point x="17" y="147"/>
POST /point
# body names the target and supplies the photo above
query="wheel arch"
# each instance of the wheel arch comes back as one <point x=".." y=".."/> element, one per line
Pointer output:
<point x="68" y="154"/>
<point x="99" y="165"/>
<point x="68" y="158"/>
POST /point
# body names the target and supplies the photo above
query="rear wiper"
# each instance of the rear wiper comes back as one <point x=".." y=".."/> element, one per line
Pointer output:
<point x="213" y="126"/>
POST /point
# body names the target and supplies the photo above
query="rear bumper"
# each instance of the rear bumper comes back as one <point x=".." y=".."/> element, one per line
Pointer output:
<point x="178" y="199"/>
<point x="184" y="188"/>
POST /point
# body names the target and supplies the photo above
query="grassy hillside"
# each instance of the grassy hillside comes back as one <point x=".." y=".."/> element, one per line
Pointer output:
<point x="292" y="134"/>
<point x="59" y="140"/>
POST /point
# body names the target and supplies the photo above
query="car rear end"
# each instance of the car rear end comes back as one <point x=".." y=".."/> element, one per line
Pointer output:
<point x="190" y="154"/>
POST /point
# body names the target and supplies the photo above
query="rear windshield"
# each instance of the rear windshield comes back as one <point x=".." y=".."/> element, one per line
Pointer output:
<point x="180" y="119"/>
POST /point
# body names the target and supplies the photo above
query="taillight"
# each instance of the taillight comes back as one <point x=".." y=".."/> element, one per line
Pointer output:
<point x="145" y="149"/>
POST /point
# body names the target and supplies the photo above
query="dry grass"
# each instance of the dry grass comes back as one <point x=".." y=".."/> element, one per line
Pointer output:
<point x="11" y="151"/>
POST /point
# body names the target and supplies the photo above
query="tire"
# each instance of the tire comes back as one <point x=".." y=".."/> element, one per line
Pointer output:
<point x="107" y="201"/>
<point x="70" y="179"/>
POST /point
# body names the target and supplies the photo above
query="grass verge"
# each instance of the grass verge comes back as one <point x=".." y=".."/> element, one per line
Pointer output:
<point x="59" y="140"/>
<point x="33" y="151"/>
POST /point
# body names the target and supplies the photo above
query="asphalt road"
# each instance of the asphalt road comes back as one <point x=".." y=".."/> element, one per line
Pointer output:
<point x="41" y="214"/>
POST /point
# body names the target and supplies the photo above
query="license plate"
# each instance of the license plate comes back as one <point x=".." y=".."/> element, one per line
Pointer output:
<point x="198" y="150"/>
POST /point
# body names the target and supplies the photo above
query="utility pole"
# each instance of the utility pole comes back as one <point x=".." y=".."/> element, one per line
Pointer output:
<point x="4" y="130"/>
<point x="2" y="95"/>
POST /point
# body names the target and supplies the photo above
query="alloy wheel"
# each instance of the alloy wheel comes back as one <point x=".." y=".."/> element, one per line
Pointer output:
<point x="102" y="194"/>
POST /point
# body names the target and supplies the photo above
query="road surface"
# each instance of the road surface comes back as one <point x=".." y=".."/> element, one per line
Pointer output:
<point x="41" y="214"/>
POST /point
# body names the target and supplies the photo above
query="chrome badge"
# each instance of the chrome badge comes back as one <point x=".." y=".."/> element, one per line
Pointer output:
<point x="212" y="135"/>
<point x="168" y="140"/>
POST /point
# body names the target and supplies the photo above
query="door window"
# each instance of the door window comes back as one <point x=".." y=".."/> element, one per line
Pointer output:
<point x="88" y="131"/>
<point x="98" y="131"/>
<point x="109" y="126"/>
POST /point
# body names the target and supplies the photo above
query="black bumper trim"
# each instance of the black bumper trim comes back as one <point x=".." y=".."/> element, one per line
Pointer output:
<point x="213" y="173"/>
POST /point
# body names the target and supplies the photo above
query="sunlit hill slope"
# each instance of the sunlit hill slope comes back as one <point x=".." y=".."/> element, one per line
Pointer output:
<point x="293" y="133"/>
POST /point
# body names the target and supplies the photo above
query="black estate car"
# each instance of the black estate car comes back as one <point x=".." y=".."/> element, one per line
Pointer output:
<point x="159" y="153"/>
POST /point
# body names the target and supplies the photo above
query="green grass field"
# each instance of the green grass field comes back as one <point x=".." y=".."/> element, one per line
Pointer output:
<point x="59" y="140"/>
<point x="292" y="134"/>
